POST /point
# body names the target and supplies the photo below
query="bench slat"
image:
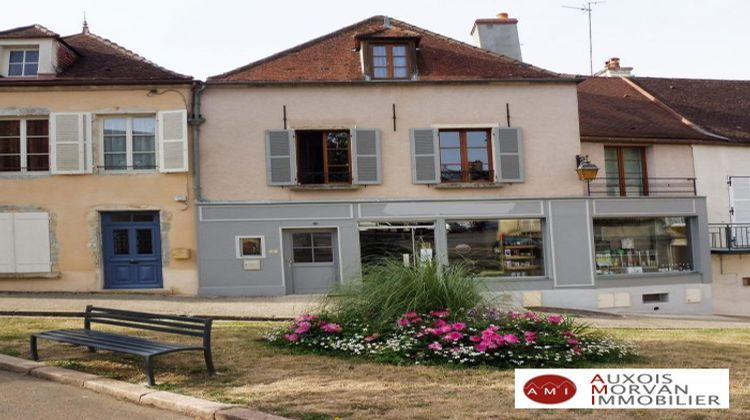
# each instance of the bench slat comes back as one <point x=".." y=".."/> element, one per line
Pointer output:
<point x="113" y="342"/>
<point x="148" y="327"/>
<point x="96" y="309"/>
<point x="95" y="317"/>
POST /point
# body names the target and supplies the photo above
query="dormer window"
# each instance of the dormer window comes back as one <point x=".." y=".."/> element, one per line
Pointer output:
<point x="23" y="62"/>
<point x="390" y="61"/>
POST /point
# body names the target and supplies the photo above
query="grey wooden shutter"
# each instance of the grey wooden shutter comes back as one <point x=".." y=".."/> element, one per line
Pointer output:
<point x="508" y="154"/>
<point x="425" y="156"/>
<point x="173" y="141"/>
<point x="366" y="165"/>
<point x="70" y="143"/>
<point x="281" y="167"/>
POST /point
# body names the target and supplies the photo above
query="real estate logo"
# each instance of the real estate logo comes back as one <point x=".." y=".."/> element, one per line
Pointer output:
<point x="549" y="389"/>
<point x="622" y="388"/>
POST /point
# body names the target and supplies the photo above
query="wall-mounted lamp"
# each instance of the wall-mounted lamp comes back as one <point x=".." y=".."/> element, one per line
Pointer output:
<point x="585" y="169"/>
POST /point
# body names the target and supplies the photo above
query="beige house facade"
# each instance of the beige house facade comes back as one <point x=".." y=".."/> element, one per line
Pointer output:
<point x="95" y="187"/>
<point x="383" y="140"/>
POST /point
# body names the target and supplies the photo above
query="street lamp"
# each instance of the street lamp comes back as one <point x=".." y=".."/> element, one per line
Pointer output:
<point x="585" y="169"/>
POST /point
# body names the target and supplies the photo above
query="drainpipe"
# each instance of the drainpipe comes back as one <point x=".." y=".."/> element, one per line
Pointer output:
<point x="195" y="121"/>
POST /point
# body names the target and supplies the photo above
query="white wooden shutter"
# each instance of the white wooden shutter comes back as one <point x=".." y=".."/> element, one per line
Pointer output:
<point x="173" y="141"/>
<point x="508" y="154"/>
<point x="70" y="143"/>
<point x="739" y="199"/>
<point x="7" y="253"/>
<point x="425" y="156"/>
<point x="32" y="248"/>
<point x="281" y="166"/>
<point x="366" y="164"/>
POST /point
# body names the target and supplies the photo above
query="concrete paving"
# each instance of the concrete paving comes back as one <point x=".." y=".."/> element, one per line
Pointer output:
<point x="284" y="307"/>
<point x="28" y="398"/>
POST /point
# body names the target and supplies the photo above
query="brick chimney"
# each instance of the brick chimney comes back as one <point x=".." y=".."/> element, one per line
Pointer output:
<point x="499" y="35"/>
<point x="612" y="68"/>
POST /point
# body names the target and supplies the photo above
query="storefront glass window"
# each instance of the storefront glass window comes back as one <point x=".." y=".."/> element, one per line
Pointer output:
<point x="497" y="248"/>
<point x="642" y="245"/>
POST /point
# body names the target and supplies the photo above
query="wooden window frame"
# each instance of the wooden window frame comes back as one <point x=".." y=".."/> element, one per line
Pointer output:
<point x="324" y="140"/>
<point x="23" y="153"/>
<point x="24" y="62"/>
<point x="621" y="179"/>
<point x="464" y="153"/>
<point x="129" y="149"/>
<point x="389" y="45"/>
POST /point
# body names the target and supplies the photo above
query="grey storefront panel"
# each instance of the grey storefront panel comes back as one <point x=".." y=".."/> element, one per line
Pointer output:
<point x="568" y="244"/>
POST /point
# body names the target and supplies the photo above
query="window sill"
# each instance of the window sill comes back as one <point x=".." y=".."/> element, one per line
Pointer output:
<point x="467" y="185"/>
<point x="646" y="275"/>
<point x="20" y="276"/>
<point x="325" y="187"/>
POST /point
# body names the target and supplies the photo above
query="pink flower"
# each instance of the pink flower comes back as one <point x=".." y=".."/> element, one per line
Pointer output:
<point x="529" y="337"/>
<point x="411" y="314"/>
<point x="475" y="339"/>
<point x="577" y="349"/>
<point x="453" y="336"/>
<point x="458" y="326"/>
<point x="568" y="333"/>
<point x="291" y="337"/>
<point x="510" y="338"/>
<point x="303" y="327"/>
<point x="514" y="315"/>
<point x="532" y="316"/>
<point x="481" y="347"/>
<point x="441" y="313"/>
<point x="439" y="323"/>
<point x="416" y="319"/>
<point x="373" y="337"/>
<point x="429" y="331"/>
<point x="331" y="328"/>
<point x="572" y="341"/>
<point x="306" y="317"/>
<point x="444" y="329"/>
<point x="435" y="346"/>
<point x="555" y="319"/>
<point x="403" y="322"/>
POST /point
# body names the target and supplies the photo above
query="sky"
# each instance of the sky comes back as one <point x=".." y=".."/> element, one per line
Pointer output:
<point x="659" y="38"/>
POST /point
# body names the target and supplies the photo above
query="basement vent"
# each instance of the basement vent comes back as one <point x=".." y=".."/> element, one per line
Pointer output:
<point x="655" y="297"/>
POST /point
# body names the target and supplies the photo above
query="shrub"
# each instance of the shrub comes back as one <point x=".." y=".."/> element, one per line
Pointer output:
<point x="388" y="289"/>
<point x="479" y="337"/>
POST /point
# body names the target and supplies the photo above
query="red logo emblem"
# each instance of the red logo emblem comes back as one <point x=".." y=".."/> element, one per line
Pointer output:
<point x="549" y="389"/>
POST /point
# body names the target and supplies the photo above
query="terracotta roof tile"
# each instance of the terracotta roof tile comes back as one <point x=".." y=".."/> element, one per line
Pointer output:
<point x="331" y="58"/>
<point x="719" y="106"/>
<point x="88" y="58"/>
<point x="612" y="108"/>
<point x="30" y="31"/>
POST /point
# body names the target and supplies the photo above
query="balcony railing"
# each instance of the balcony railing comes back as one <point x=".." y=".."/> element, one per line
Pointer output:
<point x="729" y="237"/>
<point x="640" y="187"/>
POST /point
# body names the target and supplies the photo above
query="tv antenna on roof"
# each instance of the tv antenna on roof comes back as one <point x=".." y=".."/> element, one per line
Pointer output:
<point x="586" y="7"/>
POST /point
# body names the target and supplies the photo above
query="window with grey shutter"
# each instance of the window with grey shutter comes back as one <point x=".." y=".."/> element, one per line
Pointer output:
<point x="508" y="155"/>
<point x="425" y="157"/>
<point x="281" y="168"/>
<point x="366" y="165"/>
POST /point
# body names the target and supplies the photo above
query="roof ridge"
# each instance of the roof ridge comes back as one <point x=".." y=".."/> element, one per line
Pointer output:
<point x="466" y="44"/>
<point x="651" y="97"/>
<point x="293" y="48"/>
<point x="35" y="26"/>
<point x="124" y="50"/>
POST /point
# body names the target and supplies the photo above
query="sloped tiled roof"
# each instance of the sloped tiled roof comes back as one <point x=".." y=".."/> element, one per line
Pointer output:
<point x="92" y="60"/>
<point x="719" y="106"/>
<point x="332" y="58"/>
<point x="30" y="31"/>
<point x="612" y="108"/>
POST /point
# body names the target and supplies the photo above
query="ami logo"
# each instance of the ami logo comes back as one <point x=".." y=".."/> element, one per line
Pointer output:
<point x="549" y="389"/>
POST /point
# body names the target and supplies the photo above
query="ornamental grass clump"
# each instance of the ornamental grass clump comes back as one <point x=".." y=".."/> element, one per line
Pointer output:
<point x="388" y="289"/>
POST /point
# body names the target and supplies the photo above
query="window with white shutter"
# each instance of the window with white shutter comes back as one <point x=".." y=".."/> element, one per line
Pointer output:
<point x="509" y="157"/>
<point x="366" y="165"/>
<point x="70" y="143"/>
<point x="173" y="141"/>
<point x="24" y="243"/>
<point x="739" y="199"/>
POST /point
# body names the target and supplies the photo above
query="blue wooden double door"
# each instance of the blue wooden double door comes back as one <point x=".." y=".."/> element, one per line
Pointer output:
<point x="131" y="244"/>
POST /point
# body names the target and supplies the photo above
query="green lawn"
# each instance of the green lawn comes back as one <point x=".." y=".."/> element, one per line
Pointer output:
<point x="311" y="387"/>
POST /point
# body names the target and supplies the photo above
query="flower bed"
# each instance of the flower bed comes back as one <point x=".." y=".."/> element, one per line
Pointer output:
<point x="488" y="337"/>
